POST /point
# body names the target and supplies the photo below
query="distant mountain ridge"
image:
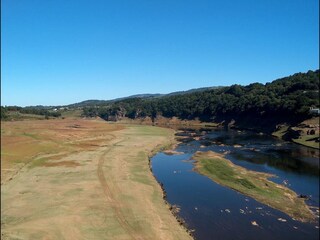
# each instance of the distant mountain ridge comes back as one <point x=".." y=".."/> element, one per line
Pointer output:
<point x="96" y="102"/>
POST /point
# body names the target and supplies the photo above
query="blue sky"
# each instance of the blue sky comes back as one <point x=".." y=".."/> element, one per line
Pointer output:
<point x="57" y="52"/>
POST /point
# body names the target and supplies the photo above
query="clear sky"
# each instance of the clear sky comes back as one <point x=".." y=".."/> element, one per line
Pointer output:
<point x="56" y="52"/>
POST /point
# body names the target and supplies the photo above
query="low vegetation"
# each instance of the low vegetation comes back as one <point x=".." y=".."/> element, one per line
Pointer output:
<point x="82" y="179"/>
<point x="20" y="113"/>
<point x="309" y="141"/>
<point x="253" y="184"/>
<point x="25" y="142"/>
<point x="306" y="133"/>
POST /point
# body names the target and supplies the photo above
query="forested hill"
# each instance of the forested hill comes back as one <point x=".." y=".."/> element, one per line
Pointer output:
<point x="257" y="105"/>
<point x="89" y="103"/>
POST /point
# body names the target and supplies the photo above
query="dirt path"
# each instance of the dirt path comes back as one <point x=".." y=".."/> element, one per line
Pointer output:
<point x="101" y="192"/>
<point x="116" y="206"/>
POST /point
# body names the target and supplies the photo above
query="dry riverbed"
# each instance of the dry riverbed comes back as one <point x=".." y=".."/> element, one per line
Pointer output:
<point x="253" y="184"/>
<point x="80" y="179"/>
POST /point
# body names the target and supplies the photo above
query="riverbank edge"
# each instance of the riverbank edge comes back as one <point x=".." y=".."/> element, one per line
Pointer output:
<point x="171" y="144"/>
<point x="282" y="132"/>
<point x="168" y="123"/>
<point x="197" y="168"/>
<point x="302" y="144"/>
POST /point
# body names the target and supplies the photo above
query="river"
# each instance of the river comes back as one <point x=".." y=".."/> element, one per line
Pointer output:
<point x="216" y="212"/>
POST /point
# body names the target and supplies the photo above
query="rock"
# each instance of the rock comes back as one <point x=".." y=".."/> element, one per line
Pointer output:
<point x="282" y="220"/>
<point x="254" y="223"/>
<point x="304" y="196"/>
<point x="172" y="152"/>
<point x="285" y="182"/>
<point x="292" y="134"/>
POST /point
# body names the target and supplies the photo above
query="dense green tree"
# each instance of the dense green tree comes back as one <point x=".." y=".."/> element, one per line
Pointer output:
<point x="285" y="99"/>
<point x="4" y="114"/>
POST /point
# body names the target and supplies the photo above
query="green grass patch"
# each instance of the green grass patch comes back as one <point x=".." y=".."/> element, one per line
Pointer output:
<point x="71" y="113"/>
<point x="253" y="184"/>
<point x="280" y="132"/>
<point x="37" y="162"/>
<point x="33" y="136"/>
<point x="151" y="131"/>
<point x="307" y="140"/>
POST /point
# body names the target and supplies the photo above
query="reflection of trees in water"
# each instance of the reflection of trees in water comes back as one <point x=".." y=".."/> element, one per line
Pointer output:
<point x="232" y="137"/>
<point x="307" y="152"/>
<point x="271" y="151"/>
<point x="281" y="159"/>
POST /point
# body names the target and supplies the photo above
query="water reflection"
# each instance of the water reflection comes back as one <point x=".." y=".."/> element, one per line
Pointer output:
<point x="216" y="212"/>
<point x="261" y="149"/>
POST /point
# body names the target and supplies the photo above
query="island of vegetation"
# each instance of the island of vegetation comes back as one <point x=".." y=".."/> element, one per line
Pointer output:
<point x="253" y="184"/>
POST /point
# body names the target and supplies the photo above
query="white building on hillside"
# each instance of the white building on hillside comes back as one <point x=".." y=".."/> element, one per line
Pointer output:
<point x="315" y="111"/>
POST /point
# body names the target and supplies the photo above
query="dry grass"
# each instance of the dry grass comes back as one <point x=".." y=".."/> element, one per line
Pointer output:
<point x="22" y="141"/>
<point x="83" y="180"/>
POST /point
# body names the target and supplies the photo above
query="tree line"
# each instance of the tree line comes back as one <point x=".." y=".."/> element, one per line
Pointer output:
<point x="287" y="99"/>
<point x="283" y="100"/>
<point x="6" y="110"/>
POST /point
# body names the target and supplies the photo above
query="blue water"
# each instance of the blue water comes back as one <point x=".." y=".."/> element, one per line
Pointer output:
<point x="216" y="212"/>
